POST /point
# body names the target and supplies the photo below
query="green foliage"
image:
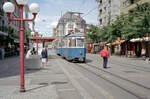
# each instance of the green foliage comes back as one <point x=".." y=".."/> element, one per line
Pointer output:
<point x="135" y="25"/>
<point x="138" y="22"/>
<point x="10" y="30"/>
<point x="15" y="36"/>
<point x="93" y="34"/>
<point x="27" y="34"/>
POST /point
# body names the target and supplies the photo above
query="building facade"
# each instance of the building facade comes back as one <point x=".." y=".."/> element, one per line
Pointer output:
<point x="9" y="30"/>
<point x="128" y="5"/>
<point x="8" y="27"/>
<point x="54" y="33"/>
<point x="3" y="20"/>
<point x="70" y="22"/>
<point x="108" y="10"/>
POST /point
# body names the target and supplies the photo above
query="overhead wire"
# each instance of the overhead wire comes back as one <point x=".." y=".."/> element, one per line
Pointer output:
<point x="90" y="11"/>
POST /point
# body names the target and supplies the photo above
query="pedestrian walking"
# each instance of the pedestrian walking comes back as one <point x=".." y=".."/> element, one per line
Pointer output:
<point x="3" y="52"/>
<point x="44" y="57"/>
<point x="104" y="54"/>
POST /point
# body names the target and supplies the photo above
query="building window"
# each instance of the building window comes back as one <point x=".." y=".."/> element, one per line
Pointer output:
<point x="105" y="9"/>
<point x="110" y="2"/>
<point x="105" y="19"/>
<point x="131" y="11"/>
<point x="126" y="3"/>
<point x="100" y="11"/>
<point x="3" y="23"/>
<point x="70" y="26"/>
<point x="100" y="1"/>
<point x="132" y="1"/>
<point x="109" y="17"/>
<point x="100" y="21"/>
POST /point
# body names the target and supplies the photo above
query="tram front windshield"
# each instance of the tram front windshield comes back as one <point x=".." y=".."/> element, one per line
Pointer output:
<point x="80" y="42"/>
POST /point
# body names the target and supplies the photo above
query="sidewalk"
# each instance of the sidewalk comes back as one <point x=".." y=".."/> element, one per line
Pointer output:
<point x="46" y="83"/>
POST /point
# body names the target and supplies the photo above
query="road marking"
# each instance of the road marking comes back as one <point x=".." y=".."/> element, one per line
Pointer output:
<point x="66" y="89"/>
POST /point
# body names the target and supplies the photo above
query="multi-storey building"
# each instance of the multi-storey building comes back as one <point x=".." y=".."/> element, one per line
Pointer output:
<point x="54" y="33"/>
<point x="3" y="21"/>
<point x="128" y="5"/>
<point x="70" y="22"/>
<point x="108" y="10"/>
<point x="8" y="27"/>
<point x="14" y="25"/>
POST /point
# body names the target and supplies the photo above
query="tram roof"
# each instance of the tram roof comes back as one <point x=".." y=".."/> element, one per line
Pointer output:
<point x="76" y="35"/>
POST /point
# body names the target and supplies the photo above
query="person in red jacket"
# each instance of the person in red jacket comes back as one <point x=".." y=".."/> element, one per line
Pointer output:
<point x="104" y="54"/>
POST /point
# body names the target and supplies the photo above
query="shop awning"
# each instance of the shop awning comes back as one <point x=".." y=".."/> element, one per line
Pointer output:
<point x="4" y="34"/>
<point x="118" y="42"/>
<point x="140" y="39"/>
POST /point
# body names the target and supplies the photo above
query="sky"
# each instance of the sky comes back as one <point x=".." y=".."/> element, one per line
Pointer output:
<point x="51" y="11"/>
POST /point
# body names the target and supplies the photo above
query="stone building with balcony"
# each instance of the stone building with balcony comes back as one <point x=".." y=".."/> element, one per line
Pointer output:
<point x="70" y="22"/>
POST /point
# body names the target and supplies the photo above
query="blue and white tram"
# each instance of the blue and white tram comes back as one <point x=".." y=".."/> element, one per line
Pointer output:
<point x="58" y="47"/>
<point x="73" y="47"/>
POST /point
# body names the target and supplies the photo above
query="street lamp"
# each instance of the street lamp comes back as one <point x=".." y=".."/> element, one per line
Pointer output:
<point x="9" y="8"/>
<point x="37" y="37"/>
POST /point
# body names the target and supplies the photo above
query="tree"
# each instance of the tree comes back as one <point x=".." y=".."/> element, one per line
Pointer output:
<point x="93" y="34"/>
<point x="138" y="23"/>
<point x="27" y="34"/>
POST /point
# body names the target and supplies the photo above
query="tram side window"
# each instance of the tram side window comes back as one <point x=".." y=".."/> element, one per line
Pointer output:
<point x="63" y="44"/>
<point x="73" y="42"/>
<point x="70" y="42"/>
<point x="80" y="42"/>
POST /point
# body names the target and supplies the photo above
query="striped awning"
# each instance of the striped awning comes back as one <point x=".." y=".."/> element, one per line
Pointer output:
<point x="140" y="39"/>
<point x="118" y="42"/>
<point x="3" y="33"/>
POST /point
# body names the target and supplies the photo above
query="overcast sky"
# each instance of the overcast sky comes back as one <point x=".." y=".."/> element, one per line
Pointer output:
<point x="50" y="12"/>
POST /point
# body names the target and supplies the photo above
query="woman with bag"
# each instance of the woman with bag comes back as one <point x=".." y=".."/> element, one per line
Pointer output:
<point x="104" y="54"/>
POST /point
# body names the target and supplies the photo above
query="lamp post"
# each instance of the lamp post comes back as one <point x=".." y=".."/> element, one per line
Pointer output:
<point x="9" y="8"/>
<point x="37" y="37"/>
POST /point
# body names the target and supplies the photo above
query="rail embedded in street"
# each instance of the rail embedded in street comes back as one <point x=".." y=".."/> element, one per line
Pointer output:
<point x="9" y="8"/>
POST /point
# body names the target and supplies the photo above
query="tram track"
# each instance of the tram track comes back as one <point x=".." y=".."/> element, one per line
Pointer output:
<point x="108" y="80"/>
<point x="148" y="88"/>
<point x="136" y="67"/>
